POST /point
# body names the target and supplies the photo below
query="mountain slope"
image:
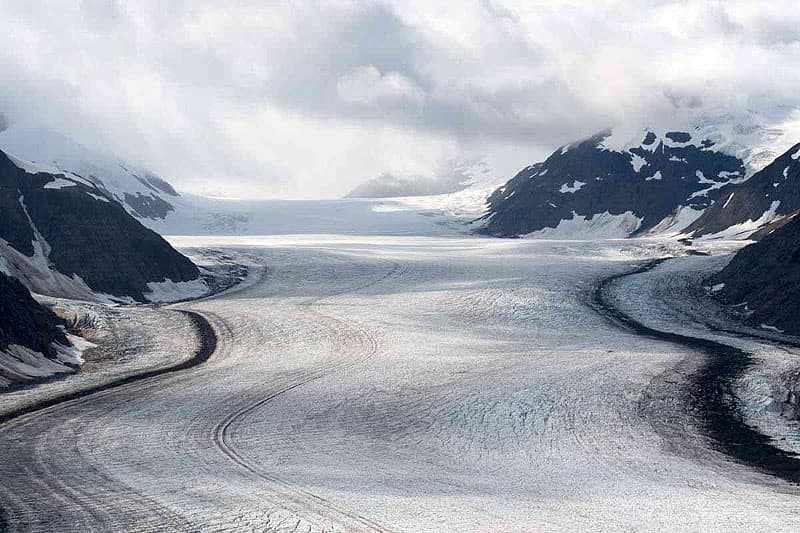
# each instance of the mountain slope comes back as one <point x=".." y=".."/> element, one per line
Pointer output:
<point x="62" y="236"/>
<point x="664" y="179"/>
<point x="32" y="340"/>
<point x="770" y="194"/>
<point x="766" y="276"/>
<point x="143" y="194"/>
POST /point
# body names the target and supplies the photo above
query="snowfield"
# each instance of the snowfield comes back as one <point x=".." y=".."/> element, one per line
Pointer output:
<point x="401" y="383"/>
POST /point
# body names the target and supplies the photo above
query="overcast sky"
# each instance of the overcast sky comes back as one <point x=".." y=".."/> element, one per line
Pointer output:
<point x="310" y="98"/>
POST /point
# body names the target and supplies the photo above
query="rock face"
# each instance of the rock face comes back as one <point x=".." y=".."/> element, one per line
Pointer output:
<point x="770" y="194"/>
<point x="766" y="277"/>
<point x="24" y="322"/>
<point x="60" y="232"/>
<point x="662" y="180"/>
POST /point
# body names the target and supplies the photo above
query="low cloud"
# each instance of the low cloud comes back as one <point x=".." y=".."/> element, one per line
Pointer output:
<point x="304" y="99"/>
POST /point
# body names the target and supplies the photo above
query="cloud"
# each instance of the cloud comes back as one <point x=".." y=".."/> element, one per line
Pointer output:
<point x="303" y="98"/>
<point x="368" y="86"/>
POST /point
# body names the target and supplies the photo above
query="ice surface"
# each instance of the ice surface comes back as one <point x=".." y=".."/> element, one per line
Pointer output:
<point x="416" y="383"/>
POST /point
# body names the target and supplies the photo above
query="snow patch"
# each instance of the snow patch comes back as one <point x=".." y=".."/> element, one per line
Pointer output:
<point x="571" y="189"/>
<point x="654" y="177"/>
<point x="745" y="229"/>
<point x="20" y="363"/>
<point x="728" y="200"/>
<point x="59" y="183"/>
<point x="173" y="291"/>
<point x="678" y="221"/>
<point x="725" y="174"/>
<point x="99" y="197"/>
<point x="602" y="225"/>
<point x="637" y="162"/>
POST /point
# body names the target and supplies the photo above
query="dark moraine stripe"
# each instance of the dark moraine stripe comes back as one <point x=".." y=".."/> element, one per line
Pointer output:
<point x="711" y="389"/>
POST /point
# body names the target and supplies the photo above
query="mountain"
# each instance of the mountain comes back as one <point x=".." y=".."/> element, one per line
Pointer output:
<point x="635" y="180"/>
<point x="32" y="339"/>
<point x="661" y="181"/>
<point x="450" y="177"/>
<point x="769" y="195"/>
<point x="391" y="186"/>
<point x="143" y="194"/>
<point x="63" y="236"/>
<point x="765" y="277"/>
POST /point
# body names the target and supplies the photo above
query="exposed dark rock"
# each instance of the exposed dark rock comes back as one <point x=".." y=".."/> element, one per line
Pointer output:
<point x="160" y="184"/>
<point x="766" y="277"/>
<point x="148" y="206"/>
<point x="679" y="136"/>
<point x="777" y="182"/>
<point x="25" y="322"/>
<point x="15" y="228"/>
<point x="651" y="181"/>
<point x="93" y="238"/>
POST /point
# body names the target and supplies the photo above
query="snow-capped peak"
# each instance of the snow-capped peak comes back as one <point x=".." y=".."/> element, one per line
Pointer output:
<point x="142" y="193"/>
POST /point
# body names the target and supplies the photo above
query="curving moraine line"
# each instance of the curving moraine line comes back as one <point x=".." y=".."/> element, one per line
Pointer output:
<point x="223" y="432"/>
<point x="711" y="391"/>
<point x="207" y="346"/>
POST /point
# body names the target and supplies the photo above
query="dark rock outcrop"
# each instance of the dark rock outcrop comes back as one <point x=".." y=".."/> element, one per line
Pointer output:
<point x="148" y="206"/>
<point x="651" y="181"/>
<point x="774" y="190"/>
<point x="766" y="277"/>
<point x="84" y="233"/>
<point x="25" y="322"/>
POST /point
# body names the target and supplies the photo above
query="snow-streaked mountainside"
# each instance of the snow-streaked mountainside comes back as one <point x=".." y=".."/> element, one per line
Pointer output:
<point x="62" y="236"/>
<point x="768" y="196"/>
<point x="664" y="182"/>
<point x="763" y="279"/>
<point x="143" y="194"/>
<point x="33" y="343"/>
<point x="625" y="181"/>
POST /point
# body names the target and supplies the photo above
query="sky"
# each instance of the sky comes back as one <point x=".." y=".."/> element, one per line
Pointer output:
<point x="308" y="99"/>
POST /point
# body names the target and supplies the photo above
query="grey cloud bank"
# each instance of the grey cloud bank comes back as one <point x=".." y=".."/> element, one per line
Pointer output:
<point x="309" y="99"/>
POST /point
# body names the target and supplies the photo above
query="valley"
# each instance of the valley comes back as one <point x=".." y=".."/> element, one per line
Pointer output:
<point x="353" y="373"/>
